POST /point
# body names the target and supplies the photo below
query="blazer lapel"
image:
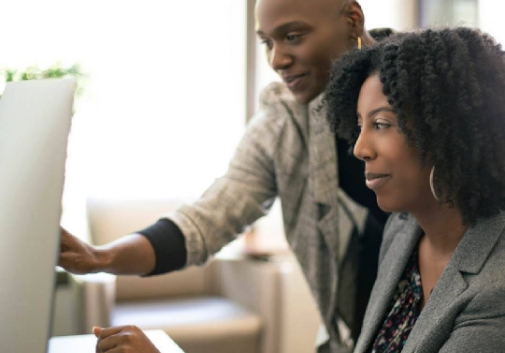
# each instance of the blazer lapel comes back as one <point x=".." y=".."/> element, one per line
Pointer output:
<point x="390" y="271"/>
<point x="324" y="178"/>
<point x="437" y="310"/>
<point x="323" y="183"/>
<point x="435" y="321"/>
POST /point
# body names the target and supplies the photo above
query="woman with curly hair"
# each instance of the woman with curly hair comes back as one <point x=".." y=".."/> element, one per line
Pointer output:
<point x="426" y="113"/>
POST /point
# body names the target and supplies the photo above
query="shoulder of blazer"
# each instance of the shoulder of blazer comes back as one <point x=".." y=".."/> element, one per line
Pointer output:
<point x="275" y="92"/>
<point x="277" y="106"/>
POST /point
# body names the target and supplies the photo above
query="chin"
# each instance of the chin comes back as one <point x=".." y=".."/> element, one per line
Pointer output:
<point x="389" y="206"/>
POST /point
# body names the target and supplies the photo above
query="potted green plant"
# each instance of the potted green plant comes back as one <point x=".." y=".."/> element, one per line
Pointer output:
<point x="35" y="73"/>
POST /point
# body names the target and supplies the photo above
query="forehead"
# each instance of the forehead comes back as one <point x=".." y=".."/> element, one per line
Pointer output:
<point x="371" y="95"/>
<point x="274" y="13"/>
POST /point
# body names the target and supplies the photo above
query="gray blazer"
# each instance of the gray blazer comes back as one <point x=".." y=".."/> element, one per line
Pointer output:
<point x="466" y="310"/>
<point x="288" y="151"/>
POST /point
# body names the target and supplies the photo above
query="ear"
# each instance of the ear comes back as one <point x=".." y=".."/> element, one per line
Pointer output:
<point x="355" y="18"/>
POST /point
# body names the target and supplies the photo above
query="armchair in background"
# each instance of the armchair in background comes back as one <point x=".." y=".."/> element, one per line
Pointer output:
<point x="229" y="305"/>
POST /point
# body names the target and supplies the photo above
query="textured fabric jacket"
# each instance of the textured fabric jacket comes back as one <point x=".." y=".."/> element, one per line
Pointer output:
<point x="288" y="152"/>
<point x="466" y="310"/>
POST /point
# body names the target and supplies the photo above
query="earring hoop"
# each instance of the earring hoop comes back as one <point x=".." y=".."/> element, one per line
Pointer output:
<point x="359" y="43"/>
<point x="432" y="186"/>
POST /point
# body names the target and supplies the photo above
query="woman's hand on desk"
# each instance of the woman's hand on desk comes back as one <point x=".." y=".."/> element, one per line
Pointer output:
<point x="75" y="255"/>
<point x="127" y="339"/>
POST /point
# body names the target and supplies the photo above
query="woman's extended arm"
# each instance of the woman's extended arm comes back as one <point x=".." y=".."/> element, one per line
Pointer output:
<point x="131" y="254"/>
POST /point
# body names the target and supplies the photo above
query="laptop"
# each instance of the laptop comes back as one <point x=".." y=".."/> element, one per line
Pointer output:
<point x="35" y="119"/>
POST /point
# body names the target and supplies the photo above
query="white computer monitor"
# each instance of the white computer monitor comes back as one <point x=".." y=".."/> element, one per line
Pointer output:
<point x="35" y="119"/>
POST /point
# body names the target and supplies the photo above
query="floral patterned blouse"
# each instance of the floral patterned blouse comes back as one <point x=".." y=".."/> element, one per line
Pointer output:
<point x="404" y="311"/>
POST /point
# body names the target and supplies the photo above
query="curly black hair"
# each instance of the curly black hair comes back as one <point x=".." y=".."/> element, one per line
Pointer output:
<point x="449" y="86"/>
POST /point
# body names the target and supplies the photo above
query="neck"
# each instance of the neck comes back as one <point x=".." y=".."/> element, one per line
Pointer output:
<point x="443" y="227"/>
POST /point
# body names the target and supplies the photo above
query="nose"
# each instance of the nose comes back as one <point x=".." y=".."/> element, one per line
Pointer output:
<point x="279" y="58"/>
<point x="363" y="149"/>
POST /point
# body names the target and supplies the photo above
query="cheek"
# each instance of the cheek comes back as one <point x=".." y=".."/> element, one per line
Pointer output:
<point x="320" y="52"/>
<point x="340" y="38"/>
<point x="410" y="179"/>
<point x="316" y="56"/>
<point x="413" y="184"/>
<point x="411" y="172"/>
<point x="402" y="195"/>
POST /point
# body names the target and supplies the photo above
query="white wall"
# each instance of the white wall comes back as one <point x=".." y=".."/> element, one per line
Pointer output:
<point x="397" y="14"/>
<point x="165" y="102"/>
<point x="492" y="18"/>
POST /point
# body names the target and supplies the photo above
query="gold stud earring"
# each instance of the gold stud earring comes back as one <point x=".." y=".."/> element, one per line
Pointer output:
<point x="359" y="43"/>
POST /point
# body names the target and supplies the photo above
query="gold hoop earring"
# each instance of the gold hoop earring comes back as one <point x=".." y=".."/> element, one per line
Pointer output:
<point x="359" y="43"/>
<point x="432" y="186"/>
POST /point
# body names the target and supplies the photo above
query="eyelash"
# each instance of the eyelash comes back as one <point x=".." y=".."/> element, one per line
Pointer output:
<point x="293" y="37"/>
<point x="381" y="126"/>
<point x="376" y="125"/>
<point x="290" y="38"/>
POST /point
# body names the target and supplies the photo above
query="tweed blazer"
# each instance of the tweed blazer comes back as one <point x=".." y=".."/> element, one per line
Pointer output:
<point x="466" y="310"/>
<point x="288" y="151"/>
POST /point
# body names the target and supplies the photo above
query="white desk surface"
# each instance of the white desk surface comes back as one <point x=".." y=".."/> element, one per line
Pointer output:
<point x="87" y="343"/>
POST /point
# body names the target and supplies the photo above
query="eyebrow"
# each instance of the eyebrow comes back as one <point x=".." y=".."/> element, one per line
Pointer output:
<point x="286" y="27"/>
<point x="377" y="111"/>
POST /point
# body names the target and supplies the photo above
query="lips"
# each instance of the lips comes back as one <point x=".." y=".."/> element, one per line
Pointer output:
<point x="376" y="181"/>
<point x="294" y="82"/>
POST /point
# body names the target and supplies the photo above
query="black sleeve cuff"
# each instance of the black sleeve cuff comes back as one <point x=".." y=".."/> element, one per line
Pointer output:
<point x="169" y="246"/>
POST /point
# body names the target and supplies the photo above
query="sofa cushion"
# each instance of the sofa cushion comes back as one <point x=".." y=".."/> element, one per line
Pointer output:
<point x="192" y="281"/>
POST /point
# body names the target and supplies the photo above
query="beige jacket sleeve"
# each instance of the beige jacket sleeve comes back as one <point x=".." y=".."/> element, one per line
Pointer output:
<point x="241" y="196"/>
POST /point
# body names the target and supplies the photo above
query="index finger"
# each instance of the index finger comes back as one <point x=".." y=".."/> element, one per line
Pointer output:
<point x="106" y="332"/>
<point x="64" y="238"/>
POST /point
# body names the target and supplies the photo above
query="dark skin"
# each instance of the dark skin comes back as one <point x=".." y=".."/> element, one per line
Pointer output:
<point x="128" y="255"/>
<point x="122" y="339"/>
<point x="301" y="39"/>
<point x="394" y="171"/>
